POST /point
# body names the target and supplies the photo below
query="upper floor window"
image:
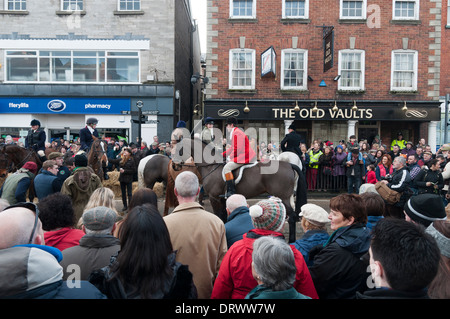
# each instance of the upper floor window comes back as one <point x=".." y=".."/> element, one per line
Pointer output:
<point x="15" y="5"/>
<point x="296" y="9"/>
<point x="405" y="10"/>
<point x="404" y="70"/>
<point x="294" y="69"/>
<point x="72" y="66"/>
<point x="352" y="69"/>
<point x="243" y="9"/>
<point x="354" y="9"/>
<point x="242" y="69"/>
<point x="129" y="5"/>
<point x="72" y="5"/>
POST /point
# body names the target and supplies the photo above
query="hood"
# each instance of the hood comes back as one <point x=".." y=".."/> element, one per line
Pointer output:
<point x="27" y="267"/>
<point x="81" y="178"/>
<point x="255" y="233"/>
<point x="354" y="238"/>
<point x="54" y="238"/>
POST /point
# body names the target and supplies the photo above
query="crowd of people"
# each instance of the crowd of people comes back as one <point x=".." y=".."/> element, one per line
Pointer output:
<point x="365" y="247"/>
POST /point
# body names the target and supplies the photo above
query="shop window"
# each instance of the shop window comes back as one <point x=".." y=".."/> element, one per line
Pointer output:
<point x="243" y="9"/>
<point x="351" y="68"/>
<point x="405" y="10"/>
<point x="294" y="69"/>
<point x="15" y="5"/>
<point x="295" y="9"/>
<point x="242" y="69"/>
<point x="72" y="66"/>
<point x="72" y="5"/>
<point x="129" y="5"/>
<point x="404" y="70"/>
<point x="355" y="9"/>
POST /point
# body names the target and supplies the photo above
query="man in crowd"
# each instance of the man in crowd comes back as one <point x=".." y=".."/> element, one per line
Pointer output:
<point x="47" y="181"/>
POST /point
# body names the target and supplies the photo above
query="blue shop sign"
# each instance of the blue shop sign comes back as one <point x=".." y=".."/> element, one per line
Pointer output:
<point x="40" y="105"/>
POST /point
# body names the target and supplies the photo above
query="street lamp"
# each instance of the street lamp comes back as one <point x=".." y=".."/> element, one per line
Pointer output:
<point x="139" y="105"/>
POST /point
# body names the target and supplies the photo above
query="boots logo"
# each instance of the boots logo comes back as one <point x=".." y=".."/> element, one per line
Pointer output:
<point x="56" y="106"/>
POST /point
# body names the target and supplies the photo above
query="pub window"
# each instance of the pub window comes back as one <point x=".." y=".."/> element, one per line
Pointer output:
<point x="72" y="5"/>
<point x="405" y="10"/>
<point x="404" y="70"/>
<point x="294" y="72"/>
<point x="242" y="69"/>
<point x="355" y="9"/>
<point x="351" y="68"/>
<point x="295" y="9"/>
<point x="72" y="66"/>
<point x="243" y="9"/>
<point x="15" y="5"/>
<point x="129" y="5"/>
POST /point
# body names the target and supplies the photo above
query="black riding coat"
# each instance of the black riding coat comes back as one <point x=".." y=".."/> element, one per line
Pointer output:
<point x="291" y="143"/>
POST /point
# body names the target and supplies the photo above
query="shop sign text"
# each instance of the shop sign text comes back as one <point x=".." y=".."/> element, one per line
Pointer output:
<point x="308" y="113"/>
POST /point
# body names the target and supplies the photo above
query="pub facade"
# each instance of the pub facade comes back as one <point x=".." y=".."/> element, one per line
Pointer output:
<point x="333" y="68"/>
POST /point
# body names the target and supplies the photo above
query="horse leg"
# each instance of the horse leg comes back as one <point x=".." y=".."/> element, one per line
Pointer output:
<point x="218" y="207"/>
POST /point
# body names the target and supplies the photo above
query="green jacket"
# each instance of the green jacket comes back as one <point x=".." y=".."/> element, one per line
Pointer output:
<point x="10" y="186"/>
<point x="261" y="292"/>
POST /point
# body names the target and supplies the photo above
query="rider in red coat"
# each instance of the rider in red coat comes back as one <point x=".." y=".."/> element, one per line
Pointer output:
<point x="240" y="153"/>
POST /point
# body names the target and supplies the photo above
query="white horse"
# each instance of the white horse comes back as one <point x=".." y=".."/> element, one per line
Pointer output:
<point x="294" y="159"/>
<point x="141" y="167"/>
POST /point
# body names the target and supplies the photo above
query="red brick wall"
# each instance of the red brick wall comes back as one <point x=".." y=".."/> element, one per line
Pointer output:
<point x="445" y="53"/>
<point x="377" y="42"/>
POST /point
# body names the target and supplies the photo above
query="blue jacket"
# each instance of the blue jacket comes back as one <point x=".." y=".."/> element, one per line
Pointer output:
<point x="372" y="221"/>
<point x="310" y="239"/>
<point x="238" y="223"/>
<point x="46" y="183"/>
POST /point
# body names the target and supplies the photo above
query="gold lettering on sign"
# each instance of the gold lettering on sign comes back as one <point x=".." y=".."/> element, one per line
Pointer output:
<point x="308" y="113"/>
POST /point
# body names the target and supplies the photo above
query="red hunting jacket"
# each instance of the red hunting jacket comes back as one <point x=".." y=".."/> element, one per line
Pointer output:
<point x="240" y="150"/>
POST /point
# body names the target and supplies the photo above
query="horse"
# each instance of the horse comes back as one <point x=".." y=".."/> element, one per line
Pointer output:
<point x="13" y="157"/>
<point x="97" y="157"/>
<point x="152" y="169"/>
<point x="257" y="179"/>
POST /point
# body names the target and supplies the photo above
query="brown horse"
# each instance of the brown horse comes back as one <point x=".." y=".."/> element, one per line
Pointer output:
<point x="13" y="157"/>
<point x="97" y="157"/>
<point x="256" y="180"/>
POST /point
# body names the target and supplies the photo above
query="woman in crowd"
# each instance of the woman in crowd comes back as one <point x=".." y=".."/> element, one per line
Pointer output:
<point x="339" y="160"/>
<point x="384" y="168"/>
<point x="145" y="267"/>
<point x="326" y="168"/>
<point x="430" y="180"/>
<point x="127" y="170"/>
<point x="102" y="196"/>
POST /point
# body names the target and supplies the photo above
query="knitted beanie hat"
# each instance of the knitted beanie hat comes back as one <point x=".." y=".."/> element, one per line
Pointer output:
<point x="31" y="166"/>
<point x="269" y="214"/>
<point x="425" y="209"/>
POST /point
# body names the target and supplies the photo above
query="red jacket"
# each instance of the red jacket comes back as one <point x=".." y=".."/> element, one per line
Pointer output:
<point x="63" y="238"/>
<point x="371" y="177"/>
<point x="240" y="150"/>
<point x="235" y="279"/>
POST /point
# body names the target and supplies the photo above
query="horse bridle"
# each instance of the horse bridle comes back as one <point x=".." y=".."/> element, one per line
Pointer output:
<point x="12" y="164"/>
<point x="203" y="165"/>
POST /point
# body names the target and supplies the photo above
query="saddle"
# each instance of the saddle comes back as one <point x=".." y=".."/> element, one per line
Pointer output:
<point x="240" y="171"/>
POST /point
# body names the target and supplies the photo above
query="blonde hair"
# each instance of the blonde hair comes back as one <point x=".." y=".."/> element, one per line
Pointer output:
<point x="102" y="196"/>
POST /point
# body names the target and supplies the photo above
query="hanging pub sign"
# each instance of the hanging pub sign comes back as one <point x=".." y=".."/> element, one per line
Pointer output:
<point x="328" y="48"/>
<point x="268" y="62"/>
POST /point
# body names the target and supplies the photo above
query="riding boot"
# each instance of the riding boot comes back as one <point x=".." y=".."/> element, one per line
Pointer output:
<point x="230" y="185"/>
<point x="105" y="175"/>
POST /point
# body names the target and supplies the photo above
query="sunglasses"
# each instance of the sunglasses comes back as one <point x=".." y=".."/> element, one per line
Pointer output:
<point x="33" y="207"/>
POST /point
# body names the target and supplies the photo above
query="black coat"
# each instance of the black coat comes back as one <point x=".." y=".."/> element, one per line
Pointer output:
<point x="129" y="169"/>
<point x="291" y="143"/>
<point x="36" y="140"/>
<point x="86" y="138"/>
<point x="427" y="175"/>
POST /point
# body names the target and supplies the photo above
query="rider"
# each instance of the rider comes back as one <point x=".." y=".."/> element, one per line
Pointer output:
<point x="291" y="142"/>
<point x="240" y="153"/>
<point x="36" y="139"/>
<point x="88" y="134"/>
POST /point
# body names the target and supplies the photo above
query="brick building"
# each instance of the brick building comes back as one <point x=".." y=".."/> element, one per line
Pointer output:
<point x="334" y="68"/>
<point x="64" y="61"/>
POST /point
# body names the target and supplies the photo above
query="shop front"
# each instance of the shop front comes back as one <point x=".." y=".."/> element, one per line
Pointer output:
<point x="334" y="120"/>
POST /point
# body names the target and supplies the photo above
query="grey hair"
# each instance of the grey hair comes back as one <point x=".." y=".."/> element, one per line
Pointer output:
<point x="235" y="201"/>
<point x="401" y="159"/>
<point x="274" y="262"/>
<point x="186" y="184"/>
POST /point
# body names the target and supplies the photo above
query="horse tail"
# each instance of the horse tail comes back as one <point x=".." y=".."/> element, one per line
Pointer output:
<point x="300" y="195"/>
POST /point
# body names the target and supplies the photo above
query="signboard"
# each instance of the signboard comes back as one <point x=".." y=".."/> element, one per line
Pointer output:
<point x="268" y="62"/>
<point x="40" y="105"/>
<point x="328" y="49"/>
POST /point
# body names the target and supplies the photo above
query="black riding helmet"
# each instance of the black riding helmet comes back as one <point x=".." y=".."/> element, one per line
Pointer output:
<point x="91" y="120"/>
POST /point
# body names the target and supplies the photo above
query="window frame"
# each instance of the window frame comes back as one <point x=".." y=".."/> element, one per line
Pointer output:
<point x="305" y="69"/>
<point x="416" y="10"/>
<point x="253" y="72"/>
<point x="99" y="54"/>
<point x="69" y="3"/>
<point x="253" y="16"/>
<point x="126" y="1"/>
<point x="415" y="71"/>
<point x="21" y="2"/>
<point x="362" y="70"/>
<point x="363" y="10"/>
<point x="305" y="16"/>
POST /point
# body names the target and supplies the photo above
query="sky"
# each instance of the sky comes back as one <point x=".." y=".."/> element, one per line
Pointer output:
<point x="198" y="9"/>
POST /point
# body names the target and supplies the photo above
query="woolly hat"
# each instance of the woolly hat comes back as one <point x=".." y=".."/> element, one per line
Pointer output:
<point x="81" y="160"/>
<point x="425" y="208"/>
<point x="442" y="241"/>
<point x="209" y="120"/>
<point x="31" y="166"/>
<point x="315" y="214"/>
<point x="99" y="218"/>
<point x="181" y="124"/>
<point x="54" y="155"/>
<point x="269" y="214"/>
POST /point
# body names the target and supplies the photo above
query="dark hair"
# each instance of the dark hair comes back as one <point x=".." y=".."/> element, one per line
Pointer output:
<point x="142" y="264"/>
<point x="432" y="162"/>
<point x="350" y="205"/>
<point x="374" y="204"/>
<point x="55" y="211"/>
<point x="143" y="196"/>
<point x="409" y="256"/>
